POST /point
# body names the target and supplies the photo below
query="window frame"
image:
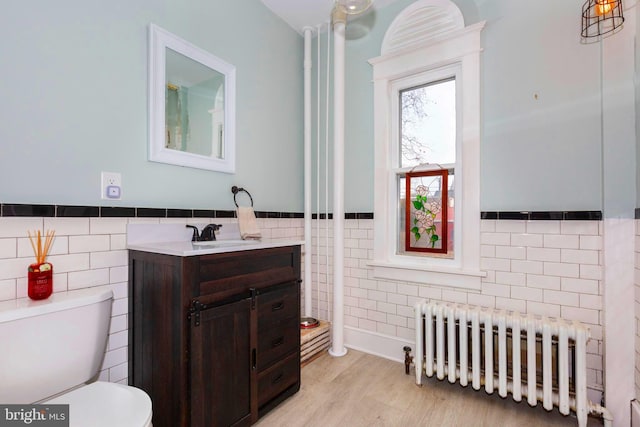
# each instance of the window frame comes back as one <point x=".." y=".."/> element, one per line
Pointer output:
<point x="459" y="53"/>
<point x="397" y="86"/>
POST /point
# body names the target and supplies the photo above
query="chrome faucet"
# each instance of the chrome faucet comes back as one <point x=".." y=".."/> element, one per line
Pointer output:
<point x="208" y="232"/>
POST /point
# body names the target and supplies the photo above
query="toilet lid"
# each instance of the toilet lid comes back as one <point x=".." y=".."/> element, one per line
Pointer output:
<point x="103" y="404"/>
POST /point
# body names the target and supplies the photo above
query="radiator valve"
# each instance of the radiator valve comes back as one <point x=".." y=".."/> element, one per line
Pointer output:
<point x="408" y="359"/>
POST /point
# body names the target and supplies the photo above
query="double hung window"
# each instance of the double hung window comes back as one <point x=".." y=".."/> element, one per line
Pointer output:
<point x="425" y="167"/>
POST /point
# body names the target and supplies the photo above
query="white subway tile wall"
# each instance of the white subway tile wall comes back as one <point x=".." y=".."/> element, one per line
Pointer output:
<point x="89" y="252"/>
<point x="547" y="268"/>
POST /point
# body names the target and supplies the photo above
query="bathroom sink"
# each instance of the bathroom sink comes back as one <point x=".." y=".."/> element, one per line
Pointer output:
<point x="225" y="243"/>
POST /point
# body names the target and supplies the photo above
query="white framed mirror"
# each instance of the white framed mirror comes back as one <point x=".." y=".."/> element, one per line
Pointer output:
<point x="191" y="105"/>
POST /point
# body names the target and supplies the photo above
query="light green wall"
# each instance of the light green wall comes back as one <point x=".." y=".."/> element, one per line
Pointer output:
<point x="74" y="88"/>
<point x="542" y="144"/>
<point x="74" y="92"/>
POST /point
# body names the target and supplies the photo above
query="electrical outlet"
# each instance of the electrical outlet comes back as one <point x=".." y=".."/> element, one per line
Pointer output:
<point x="111" y="186"/>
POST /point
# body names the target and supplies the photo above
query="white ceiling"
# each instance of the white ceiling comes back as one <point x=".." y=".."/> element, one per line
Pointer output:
<point x="301" y="13"/>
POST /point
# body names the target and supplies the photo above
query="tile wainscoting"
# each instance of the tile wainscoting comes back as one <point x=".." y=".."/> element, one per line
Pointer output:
<point x="547" y="267"/>
<point x="545" y="263"/>
<point x="91" y="251"/>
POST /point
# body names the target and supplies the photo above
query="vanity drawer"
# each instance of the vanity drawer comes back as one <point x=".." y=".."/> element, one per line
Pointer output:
<point x="278" y="340"/>
<point x="278" y="305"/>
<point x="278" y="378"/>
<point x="236" y="272"/>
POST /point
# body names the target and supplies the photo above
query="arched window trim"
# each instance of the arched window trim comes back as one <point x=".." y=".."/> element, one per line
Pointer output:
<point x="460" y="49"/>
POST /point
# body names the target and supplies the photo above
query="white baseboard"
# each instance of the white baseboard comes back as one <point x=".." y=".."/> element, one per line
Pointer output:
<point x="380" y="345"/>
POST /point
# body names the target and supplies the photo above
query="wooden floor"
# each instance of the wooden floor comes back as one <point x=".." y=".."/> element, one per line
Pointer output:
<point x="360" y="390"/>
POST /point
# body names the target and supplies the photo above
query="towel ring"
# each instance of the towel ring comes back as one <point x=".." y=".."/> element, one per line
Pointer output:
<point x="235" y="190"/>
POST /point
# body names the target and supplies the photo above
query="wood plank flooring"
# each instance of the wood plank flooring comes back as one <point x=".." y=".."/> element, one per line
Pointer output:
<point x="361" y="390"/>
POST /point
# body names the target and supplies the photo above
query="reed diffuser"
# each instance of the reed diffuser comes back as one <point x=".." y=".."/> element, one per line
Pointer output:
<point x="40" y="277"/>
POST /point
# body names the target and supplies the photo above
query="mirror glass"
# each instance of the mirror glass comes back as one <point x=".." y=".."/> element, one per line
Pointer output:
<point x="192" y="105"/>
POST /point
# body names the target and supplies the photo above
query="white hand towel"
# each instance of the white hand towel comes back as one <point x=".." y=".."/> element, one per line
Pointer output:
<point x="248" y="224"/>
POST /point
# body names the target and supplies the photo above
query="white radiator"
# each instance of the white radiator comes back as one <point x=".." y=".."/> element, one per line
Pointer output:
<point x="542" y="359"/>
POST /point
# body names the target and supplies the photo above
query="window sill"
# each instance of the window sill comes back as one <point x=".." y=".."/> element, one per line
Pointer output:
<point x="441" y="276"/>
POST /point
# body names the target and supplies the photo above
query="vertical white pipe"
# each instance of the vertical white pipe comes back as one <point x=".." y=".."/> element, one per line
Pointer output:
<point x="307" y="172"/>
<point x="337" y="339"/>
<point x="326" y="173"/>
<point x="318" y="122"/>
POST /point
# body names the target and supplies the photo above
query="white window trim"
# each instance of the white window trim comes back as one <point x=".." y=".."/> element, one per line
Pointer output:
<point x="460" y="48"/>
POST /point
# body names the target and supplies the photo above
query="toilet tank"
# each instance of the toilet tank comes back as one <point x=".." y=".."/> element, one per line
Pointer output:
<point x="53" y="345"/>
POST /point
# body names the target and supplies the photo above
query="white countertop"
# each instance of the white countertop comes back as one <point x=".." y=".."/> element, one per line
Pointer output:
<point x="175" y="239"/>
<point x="182" y="248"/>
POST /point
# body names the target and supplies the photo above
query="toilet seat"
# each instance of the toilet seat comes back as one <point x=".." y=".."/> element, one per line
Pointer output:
<point x="103" y="404"/>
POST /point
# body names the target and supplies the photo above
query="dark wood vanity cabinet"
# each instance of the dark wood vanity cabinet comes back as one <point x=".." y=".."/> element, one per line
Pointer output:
<point x="214" y="339"/>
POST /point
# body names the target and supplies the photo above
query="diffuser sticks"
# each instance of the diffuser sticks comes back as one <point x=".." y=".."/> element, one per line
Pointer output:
<point x="39" y="250"/>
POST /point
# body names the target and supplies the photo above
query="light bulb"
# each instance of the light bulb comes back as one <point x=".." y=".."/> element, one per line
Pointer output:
<point x="604" y="6"/>
<point x="353" y="7"/>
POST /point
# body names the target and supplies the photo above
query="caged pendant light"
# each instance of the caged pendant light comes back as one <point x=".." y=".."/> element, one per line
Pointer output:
<point x="600" y="17"/>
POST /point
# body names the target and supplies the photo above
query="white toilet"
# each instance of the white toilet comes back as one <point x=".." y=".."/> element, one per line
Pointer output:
<point x="52" y="349"/>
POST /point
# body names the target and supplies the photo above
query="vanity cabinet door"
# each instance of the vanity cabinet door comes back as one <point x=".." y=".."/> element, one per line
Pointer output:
<point x="222" y="359"/>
